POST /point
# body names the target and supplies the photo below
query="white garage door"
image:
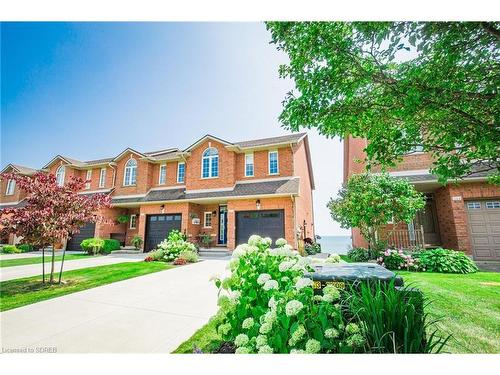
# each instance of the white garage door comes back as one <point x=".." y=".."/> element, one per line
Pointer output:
<point x="484" y="228"/>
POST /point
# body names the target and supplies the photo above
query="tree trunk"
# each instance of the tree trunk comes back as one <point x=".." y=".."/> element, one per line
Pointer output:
<point x="43" y="264"/>
<point x="53" y="263"/>
<point x="62" y="264"/>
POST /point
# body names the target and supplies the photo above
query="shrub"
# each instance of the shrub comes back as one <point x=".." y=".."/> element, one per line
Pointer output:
<point x="157" y="255"/>
<point x="110" y="245"/>
<point x="445" y="261"/>
<point x="358" y="254"/>
<point x="267" y="306"/>
<point x="137" y="242"/>
<point x="25" y="247"/>
<point x="394" y="320"/>
<point x="10" y="249"/>
<point x="174" y="245"/>
<point x="312" y="248"/>
<point x="92" y="245"/>
<point x="333" y="258"/>
<point x="397" y="260"/>
<point x="189" y="256"/>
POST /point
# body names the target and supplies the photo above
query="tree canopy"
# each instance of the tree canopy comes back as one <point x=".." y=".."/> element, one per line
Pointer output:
<point x="370" y="201"/>
<point x="405" y="86"/>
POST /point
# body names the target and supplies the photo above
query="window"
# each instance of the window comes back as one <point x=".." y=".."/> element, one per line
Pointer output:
<point x="60" y="175"/>
<point x="494" y="204"/>
<point x="133" y="222"/>
<point x="273" y="162"/>
<point x="102" y="178"/>
<point x="130" y="174"/>
<point x="473" y="205"/>
<point x="210" y="163"/>
<point x="208" y="220"/>
<point x="87" y="178"/>
<point x="249" y="165"/>
<point x="163" y="175"/>
<point x="11" y="186"/>
<point x="181" y="171"/>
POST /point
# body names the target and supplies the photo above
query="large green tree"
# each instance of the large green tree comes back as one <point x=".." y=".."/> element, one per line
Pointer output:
<point x="370" y="201"/>
<point x="405" y="86"/>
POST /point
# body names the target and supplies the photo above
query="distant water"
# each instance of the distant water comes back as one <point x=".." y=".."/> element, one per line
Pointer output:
<point x="335" y="244"/>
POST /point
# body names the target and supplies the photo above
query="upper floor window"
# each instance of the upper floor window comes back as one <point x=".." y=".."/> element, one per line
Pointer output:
<point x="89" y="176"/>
<point x="130" y="175"/>
<point x="102" y="178"/>
<point x="181" y="171"/>
<point x="273" y="162"/>
<point x="11" y="186"/>
<point x="210" y="163"/>
<point x="163" y="175"/>
<point x="249" y="165"/>
<point x="60" y="175"/>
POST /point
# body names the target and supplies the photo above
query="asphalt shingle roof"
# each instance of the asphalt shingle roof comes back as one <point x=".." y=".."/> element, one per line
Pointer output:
<point x="270" y="141"/>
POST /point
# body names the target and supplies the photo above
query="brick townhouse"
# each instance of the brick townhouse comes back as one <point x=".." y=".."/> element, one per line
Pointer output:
<point x="463" y="216"/>
<point x="214" y="187"/>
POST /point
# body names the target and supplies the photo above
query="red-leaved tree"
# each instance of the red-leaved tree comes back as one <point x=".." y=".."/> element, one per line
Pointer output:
<point x="52" y="213"/>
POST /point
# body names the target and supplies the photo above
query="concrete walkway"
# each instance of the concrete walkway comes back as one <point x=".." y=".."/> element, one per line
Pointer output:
<point x="16" y="272"/>
<point x="152" y="313"/>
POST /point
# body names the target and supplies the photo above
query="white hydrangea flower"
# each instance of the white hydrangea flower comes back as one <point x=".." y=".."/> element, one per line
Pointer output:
<point x="267" y="241"/>
<point x="263" y="278"/>
<point x="242" y="350"/>
<point x="265" y="328"/>
<point x="332" y="292"/>
<point x="272" y="304"/>
<point x="254" y="240"/>
<point x="297" y="335"/>
<point x="248" y="323"/>
<point x="271" y="284"/>
<point x="285" y="266"/>
<point x="303" y="283"/>
<point x="280" y="242"/>
<point x="270" y="317"/>
<point x="313" y="346"/>
<point x="240" y="251"/>
<point x="327" y="298"/>
<point x="265" y="349"/>
<point x="297" y="351"/>
<point x="241" y="340"/>
<point x="261" y="340"/>
<point x="224" y="329"/>
<point x="293" y="307"/>
<point x="234" y="295"/>
<point x="331" y="333"/>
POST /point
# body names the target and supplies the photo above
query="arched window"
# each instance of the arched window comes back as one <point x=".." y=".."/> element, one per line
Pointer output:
<point x="130" y="175"/>
<point x="210" y="163"/>
<point x="60" y="175"/>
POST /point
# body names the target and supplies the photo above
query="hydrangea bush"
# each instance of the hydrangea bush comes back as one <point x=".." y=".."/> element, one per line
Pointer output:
<point x="174" y="245"/>
<point x="268" y="306"/>
<point x="398" y="260"/>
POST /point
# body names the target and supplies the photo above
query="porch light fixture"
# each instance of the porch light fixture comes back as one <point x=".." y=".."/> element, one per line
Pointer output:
<point x="162" y="208"/>
<point x="257" y="203"/>
<point x="214" y="212"/>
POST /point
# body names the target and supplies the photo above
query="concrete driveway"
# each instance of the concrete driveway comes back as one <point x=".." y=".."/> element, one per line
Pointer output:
<point x="16" y="272"/>
<point x="152" y="313"/>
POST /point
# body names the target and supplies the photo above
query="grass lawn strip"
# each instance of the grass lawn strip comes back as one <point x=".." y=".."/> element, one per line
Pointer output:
<point x="21" y="292"/>
<point x="38" y="259"/>
<point x="469" y="306"/>
<point x="206" y="339"/>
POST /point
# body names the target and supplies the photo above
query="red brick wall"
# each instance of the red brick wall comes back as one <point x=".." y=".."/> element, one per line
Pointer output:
<point x="284" y="203"/>
<point x="261" y="164"/>
<point x="18" y="194"/>
<point x="171" y="175"/>
<point x="304" y="202"/>
<point x="145" y="176"/>
<point x="104" y="228"/>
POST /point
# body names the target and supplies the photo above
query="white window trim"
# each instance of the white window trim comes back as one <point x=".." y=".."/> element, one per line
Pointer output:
<point x="11" y="187"/>
<point x="184" y="164"/>
<point x="269" y="162"/>
<point x="205" y="219"/>
<point x="133" y="220"/>
<point x="125" y="174"/>
<point x="63" y="174"/>
<point x="102" y="178"/>
<point x="253" y="165"/>
<point x="210" y="164"/>
<point x="88" y="177"/>
<point x="159" y="174"/>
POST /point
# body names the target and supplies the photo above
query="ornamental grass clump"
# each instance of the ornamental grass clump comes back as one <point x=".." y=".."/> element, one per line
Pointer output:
<point x="268" y="306"/>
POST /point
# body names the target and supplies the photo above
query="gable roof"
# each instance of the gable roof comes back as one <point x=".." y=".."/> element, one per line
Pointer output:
<point x="27" y="171"/>
<point x="264" y="142"/>
<point x="205" y="137"/>
<point x="128" y="149"/>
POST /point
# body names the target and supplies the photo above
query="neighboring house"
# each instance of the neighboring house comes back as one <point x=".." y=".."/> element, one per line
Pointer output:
<point x="463" y="216"/>
<point x="223" y="189"/>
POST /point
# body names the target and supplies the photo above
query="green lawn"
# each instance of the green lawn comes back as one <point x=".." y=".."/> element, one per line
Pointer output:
<point x="469" y="306"/>
<point x="38" y="259"/>
<point x="206" y="339"/>
<point x="21" y="292"/>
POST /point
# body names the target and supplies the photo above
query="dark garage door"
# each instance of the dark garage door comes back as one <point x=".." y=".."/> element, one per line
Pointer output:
<point x="264" y="223"/>
<point x="158" y="227"/>
<point x="87" y="231"/>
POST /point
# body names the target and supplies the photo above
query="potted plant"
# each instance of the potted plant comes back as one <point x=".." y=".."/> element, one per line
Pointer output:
<point x="122" y="219"/>
<point x="137" y="242"/>
<point x="205" y="239"/>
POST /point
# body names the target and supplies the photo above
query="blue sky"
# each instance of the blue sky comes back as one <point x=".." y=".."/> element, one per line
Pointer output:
<point x="88" y="90"/>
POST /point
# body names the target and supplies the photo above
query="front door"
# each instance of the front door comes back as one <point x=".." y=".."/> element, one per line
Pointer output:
<point x="428" y="219"/>
<point x="222" y="225"/>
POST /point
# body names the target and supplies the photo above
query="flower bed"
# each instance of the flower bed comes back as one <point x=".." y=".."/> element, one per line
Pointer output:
<point x="175" y="248"/>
